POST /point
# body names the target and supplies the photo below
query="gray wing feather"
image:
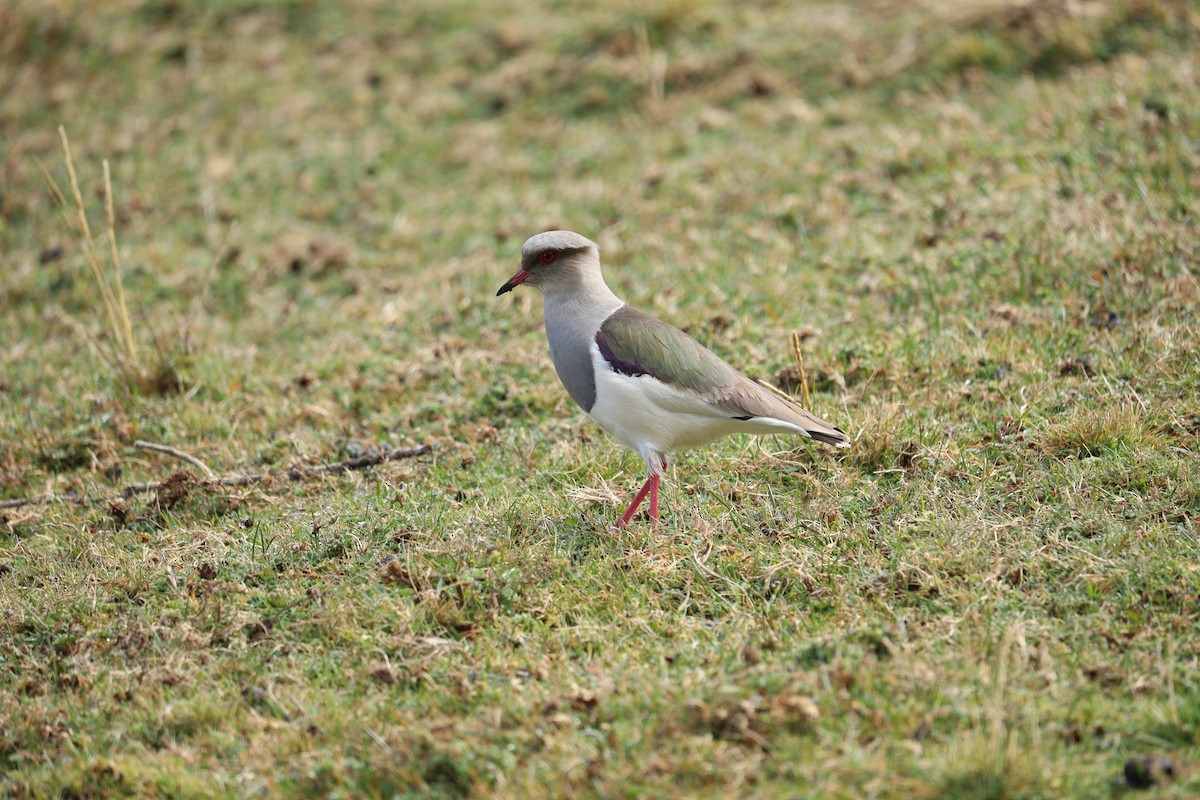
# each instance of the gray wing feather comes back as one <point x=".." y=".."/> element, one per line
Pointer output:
<point x="634" y="343"/>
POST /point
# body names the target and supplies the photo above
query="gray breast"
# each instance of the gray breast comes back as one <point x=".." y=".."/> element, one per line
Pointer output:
<point x="570" y="334"/>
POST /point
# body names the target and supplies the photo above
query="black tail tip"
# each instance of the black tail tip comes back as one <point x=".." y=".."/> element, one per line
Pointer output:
<point x="841" y="440"/>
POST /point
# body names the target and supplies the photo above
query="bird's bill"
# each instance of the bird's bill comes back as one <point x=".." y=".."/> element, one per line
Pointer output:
<point x="513" y="282"/>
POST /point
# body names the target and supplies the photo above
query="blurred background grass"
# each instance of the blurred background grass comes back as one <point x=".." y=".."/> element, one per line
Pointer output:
<point x="979" y="216"/>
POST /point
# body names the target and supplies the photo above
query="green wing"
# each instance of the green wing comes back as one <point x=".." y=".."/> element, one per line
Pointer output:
<point x="634" y="344"/>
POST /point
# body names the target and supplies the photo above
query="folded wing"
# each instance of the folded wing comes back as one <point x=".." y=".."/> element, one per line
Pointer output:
<point x="636" y="344"/>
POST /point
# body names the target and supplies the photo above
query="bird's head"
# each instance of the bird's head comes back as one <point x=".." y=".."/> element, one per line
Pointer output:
<point x="556" y="259"/>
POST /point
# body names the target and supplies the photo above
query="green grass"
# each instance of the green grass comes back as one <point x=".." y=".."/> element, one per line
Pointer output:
<point x="981" y="218"/>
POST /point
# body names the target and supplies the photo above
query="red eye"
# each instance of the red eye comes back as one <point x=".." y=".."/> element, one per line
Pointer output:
<point x="548" y="256"/>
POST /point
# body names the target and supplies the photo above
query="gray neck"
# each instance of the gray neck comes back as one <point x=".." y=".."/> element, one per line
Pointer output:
<point x="572" y="319"/>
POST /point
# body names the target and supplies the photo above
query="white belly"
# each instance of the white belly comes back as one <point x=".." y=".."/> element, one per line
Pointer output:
<point x="655" y="419"/>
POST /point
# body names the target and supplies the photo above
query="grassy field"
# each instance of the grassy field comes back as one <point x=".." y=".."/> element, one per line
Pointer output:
<point x="980" y="217"/>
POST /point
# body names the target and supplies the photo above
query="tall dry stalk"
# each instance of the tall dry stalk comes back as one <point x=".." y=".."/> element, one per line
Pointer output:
<point x="804" y="395"/>
<point x="107" y="276"/>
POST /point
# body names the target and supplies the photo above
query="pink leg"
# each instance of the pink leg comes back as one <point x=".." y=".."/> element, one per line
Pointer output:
<point x="651" y="482"/>
<point x="654" y="491"/>
<point x="654" y="499"/>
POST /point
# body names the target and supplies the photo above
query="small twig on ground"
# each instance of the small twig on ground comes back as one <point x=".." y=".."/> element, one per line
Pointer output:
<point x="297" y="473"/>
<point x="171" y="451"/>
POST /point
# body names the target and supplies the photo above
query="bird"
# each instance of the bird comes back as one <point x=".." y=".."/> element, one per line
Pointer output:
<point x="648" y="384"/>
